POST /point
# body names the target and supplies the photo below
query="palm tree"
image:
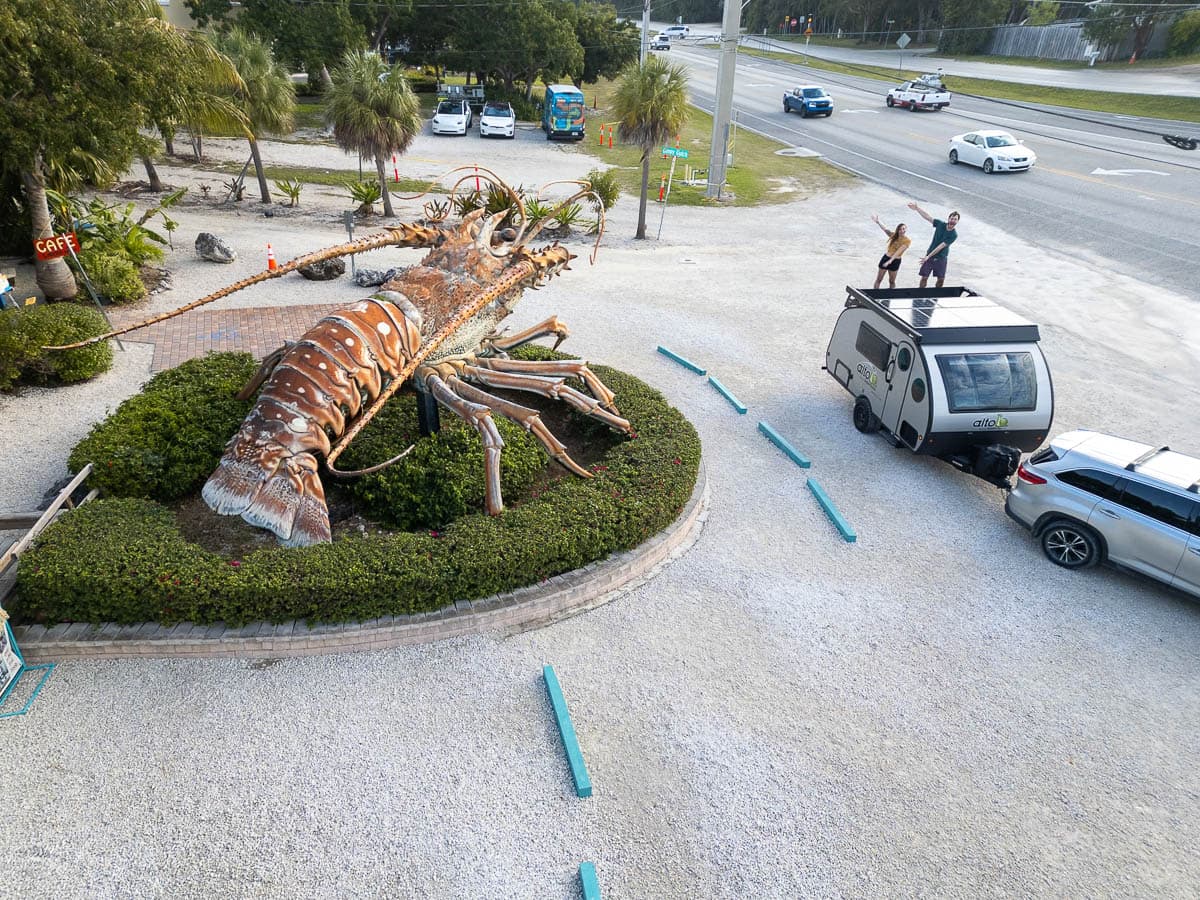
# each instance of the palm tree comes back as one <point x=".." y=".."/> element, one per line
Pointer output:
<point x="267" y="100"/>
<point x="651" y="105"/>
<point x="373" y="111"/>
<point x="197" y="92"/>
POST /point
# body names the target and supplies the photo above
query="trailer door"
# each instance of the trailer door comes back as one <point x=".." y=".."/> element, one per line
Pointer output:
<point x="897" y="376"/>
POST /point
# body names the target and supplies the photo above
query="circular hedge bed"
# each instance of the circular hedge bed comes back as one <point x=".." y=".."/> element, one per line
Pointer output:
<point x="125" y="559"/>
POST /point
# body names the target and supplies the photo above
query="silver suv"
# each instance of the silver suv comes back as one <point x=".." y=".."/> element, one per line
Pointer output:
<point x="1090" y="497"/>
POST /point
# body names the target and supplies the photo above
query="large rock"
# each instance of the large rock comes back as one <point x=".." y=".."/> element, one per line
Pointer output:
<point x="373" y="277"/>
<point x="212" y="248"/>
<point x="326" y="270"/>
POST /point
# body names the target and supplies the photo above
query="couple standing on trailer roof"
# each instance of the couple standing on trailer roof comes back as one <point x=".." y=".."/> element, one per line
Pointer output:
<point x="935" y="258"/>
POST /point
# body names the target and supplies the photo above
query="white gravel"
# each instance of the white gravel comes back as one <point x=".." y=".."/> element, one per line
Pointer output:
<point x="935" y="710"/>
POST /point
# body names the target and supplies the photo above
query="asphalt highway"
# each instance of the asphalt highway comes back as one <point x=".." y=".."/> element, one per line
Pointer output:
<point x="1100" y="193"/>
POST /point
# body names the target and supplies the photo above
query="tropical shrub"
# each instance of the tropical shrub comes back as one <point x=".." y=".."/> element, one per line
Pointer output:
<point x="1184" y="36"/>
<point x="23" y="333"/>
<point x="366" y="194"/>
<point x="162" y="443"/>
<point x="112" y="275"/>
<point x="442" y="478"/>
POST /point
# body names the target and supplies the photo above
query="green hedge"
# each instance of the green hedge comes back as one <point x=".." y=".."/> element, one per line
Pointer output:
<point x="442" y="479"/>
<point x="113" y="276"/>
<point x="23" y="333"/>
<point x="125" y="561"/>
<point x="162" y="443"/>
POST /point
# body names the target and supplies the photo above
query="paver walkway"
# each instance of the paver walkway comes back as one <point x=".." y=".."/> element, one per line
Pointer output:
<point x="256" y="330"/>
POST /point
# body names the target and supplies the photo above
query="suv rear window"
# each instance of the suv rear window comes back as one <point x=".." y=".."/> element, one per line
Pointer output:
<point x="1170" y="509"/>
<point x="976" y="382"/>
<point x="1094" y="481"/>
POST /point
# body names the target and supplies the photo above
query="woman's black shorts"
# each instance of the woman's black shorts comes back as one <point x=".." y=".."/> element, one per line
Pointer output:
<point x="893" y="266"/>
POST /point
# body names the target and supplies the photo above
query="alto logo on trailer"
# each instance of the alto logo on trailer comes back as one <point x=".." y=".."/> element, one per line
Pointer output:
<point x="865" y="371"/>
<point x="998" y="422"/>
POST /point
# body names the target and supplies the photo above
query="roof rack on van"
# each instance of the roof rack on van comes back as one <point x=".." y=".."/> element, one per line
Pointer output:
<point x="1145" y="458"/>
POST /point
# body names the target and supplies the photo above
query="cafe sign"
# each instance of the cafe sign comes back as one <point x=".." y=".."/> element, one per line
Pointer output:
<point x="56" y="245"/>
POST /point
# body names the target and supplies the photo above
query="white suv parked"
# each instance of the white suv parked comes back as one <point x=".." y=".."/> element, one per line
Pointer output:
<point x="1090" y="497"/>
<point x="674" y="32"/>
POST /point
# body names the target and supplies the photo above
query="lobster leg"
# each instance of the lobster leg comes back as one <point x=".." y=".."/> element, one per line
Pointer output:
<point x="555" y="388"/>
<point x="557" y="368"/>
<point x="551" y="326"/>
<point x="524" y="416"/>
<point x="480" y="418"/>
<point x="270" y="361"/>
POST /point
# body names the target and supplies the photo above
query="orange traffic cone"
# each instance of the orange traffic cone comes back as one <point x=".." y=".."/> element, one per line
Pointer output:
<point x="271" y="264"/>
<point x="662" y="188"/>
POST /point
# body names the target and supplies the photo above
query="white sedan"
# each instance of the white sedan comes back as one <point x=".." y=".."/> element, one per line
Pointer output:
<point x="992" y="151"/>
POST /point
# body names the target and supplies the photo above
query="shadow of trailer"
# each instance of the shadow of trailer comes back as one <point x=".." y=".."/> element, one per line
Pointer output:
<point x="946" y="373"/>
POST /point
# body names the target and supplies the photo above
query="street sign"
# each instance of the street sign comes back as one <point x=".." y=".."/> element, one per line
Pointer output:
<point x="56" y="245"/>
<point x="903" y="41"/>
<point x="677" y="152"/>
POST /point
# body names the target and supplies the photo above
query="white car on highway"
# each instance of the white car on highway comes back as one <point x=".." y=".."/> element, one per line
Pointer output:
<point x="992" y="151"/>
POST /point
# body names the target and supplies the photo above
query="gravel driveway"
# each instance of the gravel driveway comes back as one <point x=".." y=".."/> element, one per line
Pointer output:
<point x="934" y="710"/>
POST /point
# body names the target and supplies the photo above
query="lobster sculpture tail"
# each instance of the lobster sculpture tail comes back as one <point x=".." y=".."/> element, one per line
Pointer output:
<point x="269" y="472"/>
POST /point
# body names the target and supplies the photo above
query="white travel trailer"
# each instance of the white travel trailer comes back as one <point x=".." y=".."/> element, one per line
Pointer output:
<point x="946" y="373"/>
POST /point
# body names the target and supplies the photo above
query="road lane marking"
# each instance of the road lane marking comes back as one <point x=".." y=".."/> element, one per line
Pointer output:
<point x="873" y="112"/>
<point x="1129" y="172"/>
<point x="1141" y="192"/>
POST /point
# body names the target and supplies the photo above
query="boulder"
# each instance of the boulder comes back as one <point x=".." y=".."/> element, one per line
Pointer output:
<point x="212" y="248"/>
<point x="326" y="270"/>
<point x="373" y="277"/>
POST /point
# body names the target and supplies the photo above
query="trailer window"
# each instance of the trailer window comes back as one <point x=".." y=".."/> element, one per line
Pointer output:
<point x="989" y="381"/>
<point x="874" y="346"/>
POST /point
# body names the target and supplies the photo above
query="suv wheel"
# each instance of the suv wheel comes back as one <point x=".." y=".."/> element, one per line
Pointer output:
<point x="865" y="419"/>
<point x="1070" y="545"/>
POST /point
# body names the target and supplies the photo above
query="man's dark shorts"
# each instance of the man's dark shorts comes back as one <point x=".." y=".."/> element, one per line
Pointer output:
<point x="935" y="267"/>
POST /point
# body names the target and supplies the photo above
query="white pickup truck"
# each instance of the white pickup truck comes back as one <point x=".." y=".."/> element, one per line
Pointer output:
<point x="927" y="92"/>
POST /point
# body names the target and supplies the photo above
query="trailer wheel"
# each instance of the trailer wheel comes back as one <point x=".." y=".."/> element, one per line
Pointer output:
<point x="865" y="419"/>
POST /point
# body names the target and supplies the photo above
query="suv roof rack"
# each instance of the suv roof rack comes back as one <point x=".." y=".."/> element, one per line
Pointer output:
<point x="1145" y="458"/>
<point x="1194" y="487"/>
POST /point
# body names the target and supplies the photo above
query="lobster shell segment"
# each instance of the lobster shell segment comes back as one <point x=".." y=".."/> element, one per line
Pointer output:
<point x="269" y="472"/>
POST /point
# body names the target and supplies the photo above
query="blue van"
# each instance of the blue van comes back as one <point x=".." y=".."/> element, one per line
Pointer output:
<point x="562" y="112"/>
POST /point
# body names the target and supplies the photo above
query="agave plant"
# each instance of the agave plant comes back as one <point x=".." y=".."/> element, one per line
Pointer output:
<point x="366" y="194"/>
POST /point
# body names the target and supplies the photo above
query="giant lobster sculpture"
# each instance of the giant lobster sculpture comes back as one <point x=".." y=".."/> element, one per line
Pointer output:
<point x="433" y="327"/>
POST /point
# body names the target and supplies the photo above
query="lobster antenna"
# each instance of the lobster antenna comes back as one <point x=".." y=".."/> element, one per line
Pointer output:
<point x="393" y="236"/>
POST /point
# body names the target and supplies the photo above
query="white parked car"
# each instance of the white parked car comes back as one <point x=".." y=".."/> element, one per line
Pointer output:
<point x="675" y="32"/>
<point x="497" y="120"/>
<point x="992" y="151"/>
<point x="452" y="117"/>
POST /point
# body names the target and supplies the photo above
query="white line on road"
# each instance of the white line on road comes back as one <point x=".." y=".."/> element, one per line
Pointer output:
<point x="873" y="112"/>
<point x="1129" y="172"/>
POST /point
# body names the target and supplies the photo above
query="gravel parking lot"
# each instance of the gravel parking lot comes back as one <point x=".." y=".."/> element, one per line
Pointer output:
<point x="934" y="710"/>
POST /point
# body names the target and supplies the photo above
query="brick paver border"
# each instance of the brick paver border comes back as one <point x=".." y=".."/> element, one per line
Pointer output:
<point x="526" y="608"/>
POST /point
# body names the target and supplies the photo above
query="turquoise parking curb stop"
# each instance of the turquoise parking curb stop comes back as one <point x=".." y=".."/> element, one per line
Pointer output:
<point x="777" y="439"/>
<point x="733" y="401"/>
<point x="583" y="784"/>
<point x="587" y="878"/>
<point x="686" y="363"/>
<point x="838" y="520"/>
